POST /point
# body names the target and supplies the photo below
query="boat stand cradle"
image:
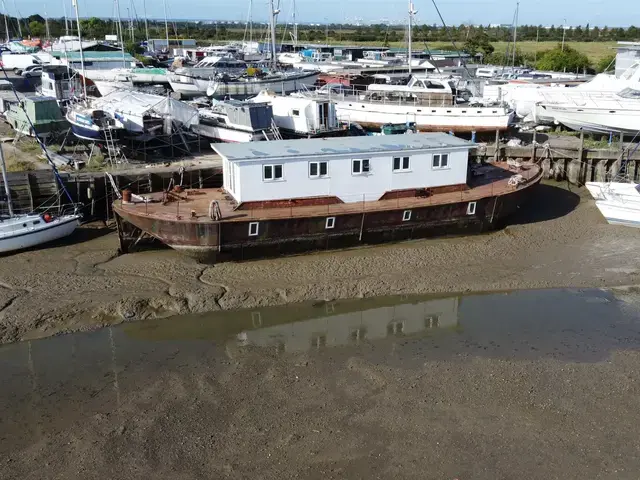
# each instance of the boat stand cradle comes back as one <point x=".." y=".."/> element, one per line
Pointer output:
<point x="130" y="236"/>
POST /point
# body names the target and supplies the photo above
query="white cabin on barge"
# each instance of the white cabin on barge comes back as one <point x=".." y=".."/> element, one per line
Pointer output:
<point x="348" y="169"/>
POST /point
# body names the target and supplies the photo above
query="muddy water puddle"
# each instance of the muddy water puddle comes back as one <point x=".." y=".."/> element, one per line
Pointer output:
<point x="117" y="374"/>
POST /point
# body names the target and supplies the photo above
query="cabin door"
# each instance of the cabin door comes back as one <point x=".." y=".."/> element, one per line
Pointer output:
<point x="323" y="112"/>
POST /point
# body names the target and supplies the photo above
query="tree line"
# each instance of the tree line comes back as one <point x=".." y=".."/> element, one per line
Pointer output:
<point x="34" y="26"/>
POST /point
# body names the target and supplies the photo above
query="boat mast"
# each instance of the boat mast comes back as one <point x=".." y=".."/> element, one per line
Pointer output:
<point x="273" y="14"/>
<point x="46" y="23"/>
<point x="18" y="19"/>
<point x="515" y="34"/>
<point x="66" y="19"/>
<point x="120" y="33"/>
<point x="84" y="73"/>
<point x="295" y="26"/>
<point x="412" y="12"/>
<point x="146" y="24"/>
<point x="166" y="27"/>
<point x="7" y="192"/>
<point x="6" y="24"/>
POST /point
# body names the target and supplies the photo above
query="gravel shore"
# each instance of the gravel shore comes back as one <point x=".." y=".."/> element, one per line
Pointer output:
<point x="559" y="240"/>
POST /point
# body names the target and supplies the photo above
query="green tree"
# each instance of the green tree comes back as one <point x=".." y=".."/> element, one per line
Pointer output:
<point x="37" y="29"/>
<point x="478" y="42"/>
<point x="606" y="63"/>
<point x="133" y="48"/>
<point x="560" y="60"/>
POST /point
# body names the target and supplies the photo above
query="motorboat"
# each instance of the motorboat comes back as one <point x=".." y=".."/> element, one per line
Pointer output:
<point x="235" y="121"/>
<point x="618" y="113"/>
<point x="618" y="202"/>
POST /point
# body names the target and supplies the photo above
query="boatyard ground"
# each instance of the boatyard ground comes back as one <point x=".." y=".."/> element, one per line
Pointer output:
<point x="559" y="240"/>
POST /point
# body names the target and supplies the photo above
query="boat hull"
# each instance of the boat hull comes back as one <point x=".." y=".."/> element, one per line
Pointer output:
<point x="428" y="119"/>
<point x="192" y="87"/>
<point x="22" y="238"/>
<point x="227" y="135"/>
<point x="228" y="240"/>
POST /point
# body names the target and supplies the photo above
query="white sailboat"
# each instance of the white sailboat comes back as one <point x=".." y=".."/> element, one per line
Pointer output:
<point x="19" y="231"/>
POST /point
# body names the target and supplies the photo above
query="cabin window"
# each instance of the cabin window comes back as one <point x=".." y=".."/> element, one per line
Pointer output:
<point x="400" y="164"/>
<point x="441" y="161"/>
<point x="295" y="113"/>
<point x="432" y="321"/>
<point x="406" y="215"/>
<point x="37" y="222"/>
<point x="360" y="166"/>
<point x="271" y="172"/>
<point x="253" y="229"/>
<point x="318" y="169"/>
<point x="395" y="328"/>
<point x="471" y="208"/>
<point x="330" y="223"/>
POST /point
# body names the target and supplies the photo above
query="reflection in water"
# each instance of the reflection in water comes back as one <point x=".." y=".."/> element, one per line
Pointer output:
<point x="47" y="383"/>
<point x="355" y="328"/>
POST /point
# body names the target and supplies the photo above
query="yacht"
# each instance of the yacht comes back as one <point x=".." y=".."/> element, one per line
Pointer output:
<point x="598" y="113"/>
<point x="430" y="106"/>
<point x="524" y="97"/>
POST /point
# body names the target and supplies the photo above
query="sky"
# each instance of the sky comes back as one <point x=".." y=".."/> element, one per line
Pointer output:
<point x="532" y="12"/>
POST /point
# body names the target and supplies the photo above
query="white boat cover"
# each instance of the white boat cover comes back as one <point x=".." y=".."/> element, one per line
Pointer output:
<point x="139" y="104"/>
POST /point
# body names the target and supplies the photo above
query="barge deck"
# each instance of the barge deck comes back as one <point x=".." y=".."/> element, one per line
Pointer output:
<point x="206" y="222"/>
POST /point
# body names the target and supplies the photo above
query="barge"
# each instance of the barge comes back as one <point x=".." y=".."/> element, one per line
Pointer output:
<point x="291" y="196"/>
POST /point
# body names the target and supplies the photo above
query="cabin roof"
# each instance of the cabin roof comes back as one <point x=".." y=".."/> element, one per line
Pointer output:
<point x="324" y="147"/>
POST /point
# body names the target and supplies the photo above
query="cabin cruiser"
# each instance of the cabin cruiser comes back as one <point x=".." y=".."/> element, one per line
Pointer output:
<point x="523" y="96"/>
<point x="234" y="121"/>
<point x="429" y="104"/>
<point x="298" y="116"/>
<point x="602" y="113"/>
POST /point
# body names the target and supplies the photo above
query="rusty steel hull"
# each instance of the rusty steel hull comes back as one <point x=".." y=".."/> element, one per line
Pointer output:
<point x="229" y="239"/>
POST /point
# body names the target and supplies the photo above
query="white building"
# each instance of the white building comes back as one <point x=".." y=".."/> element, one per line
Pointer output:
<point x="350" y="168"/>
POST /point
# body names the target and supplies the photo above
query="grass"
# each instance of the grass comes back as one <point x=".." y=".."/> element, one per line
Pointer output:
<point x="596" y="51"/>
<point x="20" y="166"/>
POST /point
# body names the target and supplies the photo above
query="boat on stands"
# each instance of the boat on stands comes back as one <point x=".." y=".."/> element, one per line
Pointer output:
<point x="618" y="202"/>
<point x="291" y="196"/>
<point x="431" y="107"/>
<point x="236" y="121"/>
<point x="129" y="114"/>
<point x="302" y="117"/>
<point x="618" y="113"/>
<point x="93" y="124"/>
<point x="525" y="96"/>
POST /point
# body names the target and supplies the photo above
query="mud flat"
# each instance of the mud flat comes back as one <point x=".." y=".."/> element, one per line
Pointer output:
<point x="527" y="385"/>
<point x="560" y="240"/>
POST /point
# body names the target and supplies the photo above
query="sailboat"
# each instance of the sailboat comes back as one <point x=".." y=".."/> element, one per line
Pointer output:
<point x="19" y="231"/>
